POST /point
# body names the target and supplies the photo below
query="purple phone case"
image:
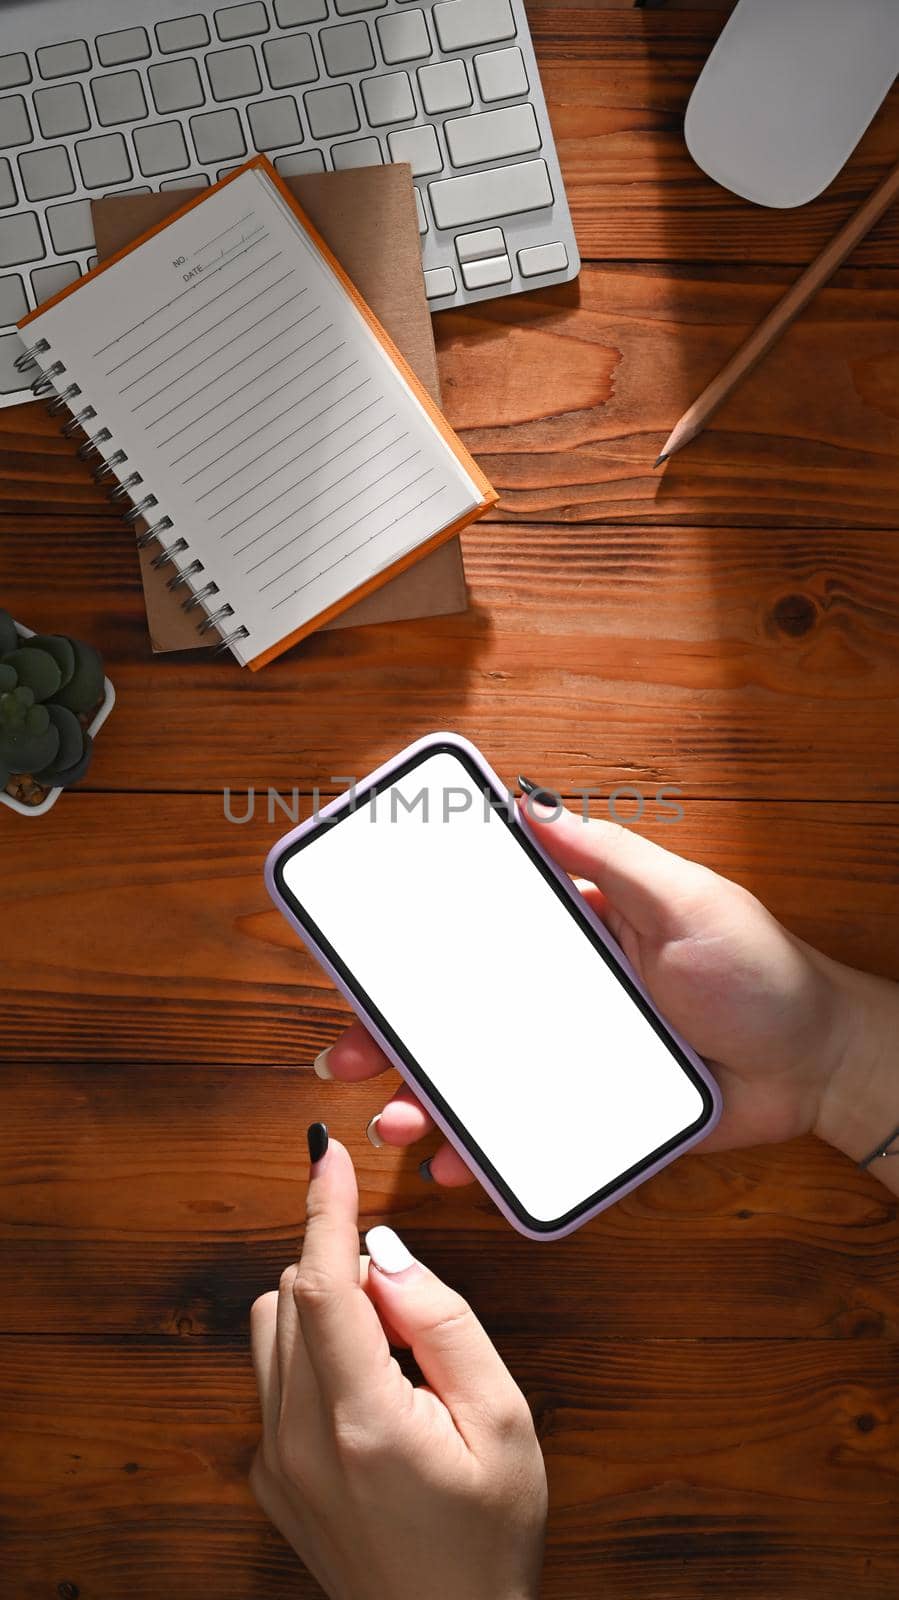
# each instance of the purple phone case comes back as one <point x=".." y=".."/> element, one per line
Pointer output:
<point x="386" y="771"/>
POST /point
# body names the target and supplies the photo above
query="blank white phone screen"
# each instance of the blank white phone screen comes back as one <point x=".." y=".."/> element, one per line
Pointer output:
<point x="475" y="963"/>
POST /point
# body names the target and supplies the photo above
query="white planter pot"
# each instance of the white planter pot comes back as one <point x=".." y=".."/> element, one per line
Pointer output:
<point x="93" y="727"/>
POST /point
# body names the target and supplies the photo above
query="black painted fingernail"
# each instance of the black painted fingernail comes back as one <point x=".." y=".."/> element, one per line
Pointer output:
<point x="536" y="791"/>
<point x="317" y="1140"/>
<point x="425" y="1172"/>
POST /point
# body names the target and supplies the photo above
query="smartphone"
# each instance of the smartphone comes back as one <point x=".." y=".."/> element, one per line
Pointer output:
<point x="492" y="987"/>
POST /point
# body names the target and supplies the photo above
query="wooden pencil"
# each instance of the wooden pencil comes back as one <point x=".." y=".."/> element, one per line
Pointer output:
<point x="782" y="315"/>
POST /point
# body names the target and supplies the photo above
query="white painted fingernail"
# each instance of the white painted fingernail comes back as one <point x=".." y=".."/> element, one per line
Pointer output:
<point x="387" y="1250"/>
<point x="320" y="1065"/>
<point x="371" y="1131"/>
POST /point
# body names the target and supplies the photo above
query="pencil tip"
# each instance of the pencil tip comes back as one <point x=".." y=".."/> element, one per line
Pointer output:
<point x="662" y="457"/>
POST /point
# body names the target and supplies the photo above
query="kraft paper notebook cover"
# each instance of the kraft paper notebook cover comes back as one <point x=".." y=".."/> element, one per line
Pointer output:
<point x="368" y="218"/>
<point x="254" y="409"/>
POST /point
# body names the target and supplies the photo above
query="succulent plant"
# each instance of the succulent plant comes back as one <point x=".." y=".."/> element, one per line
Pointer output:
<point x="50" y="687"/>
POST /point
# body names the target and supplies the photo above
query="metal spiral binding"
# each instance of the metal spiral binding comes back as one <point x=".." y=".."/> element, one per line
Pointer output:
<point x="92" y="450"/>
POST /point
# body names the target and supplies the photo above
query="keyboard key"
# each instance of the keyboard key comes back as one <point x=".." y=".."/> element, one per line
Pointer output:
<point x="347" y="8"/>
<point x="331" y="111"/>
<point x="71" y="227"/>
<point x="118" y="98"/>
<point x="292" y="13"/>
<point x="420" y="209"/>
<point x="233" y="73"/>
<point x="218" y="136"/>
<point x="176" y="86"/>
<point x="439" y="281"/>
<point x="13" y="299"/>
<point x="289" y="61"/>
<point x="495" y="192"/>
<point x="46" y="173"/>
<point x="474" y="246"/>
<point x="103" y="161"/>
<point x="61" y="60"/>
<point x="11" y="381"/>
<point x="129" y="44"/>
<point x="194" y="180"/>
<point x="48" y="281"/>
<point x="388" y="99"/>
<point x="275" y="123"/>
<point x="501" y="74"/>
<point x="347" y="49"/>
<point x="444" y="87"/>
<point x="14" y="70"/>
<point x="419" y="147"/>
<point x="8" y="195"/>
<point x="484" y="274"/>
<point x="160" y="147"/>
<point x="540" y="258"/>
<point x="492" y="136"/>
<point x="300" y="161"/>
<point x="240" y="22"/>
<point x="404" y="37"/>
<point x="61" y="110"/>
<point x="462" y="24"/>
<point x="183" y="33"/>
<point x="356" y="153"/>
<point x="15" y="127"/>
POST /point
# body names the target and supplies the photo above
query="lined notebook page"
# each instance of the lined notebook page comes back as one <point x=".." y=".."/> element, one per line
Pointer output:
<point x="263" y="414"/>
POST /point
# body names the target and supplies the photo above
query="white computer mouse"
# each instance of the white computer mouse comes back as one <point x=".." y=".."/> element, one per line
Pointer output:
<point x="787" y="93"/>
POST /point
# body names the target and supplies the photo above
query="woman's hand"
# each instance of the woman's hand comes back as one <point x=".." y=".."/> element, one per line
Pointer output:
<point x="768" y="1013"/>
<point x="387" y="1491"/>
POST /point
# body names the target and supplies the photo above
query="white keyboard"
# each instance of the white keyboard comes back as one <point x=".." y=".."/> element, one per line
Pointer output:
<point x="97" y="99"/>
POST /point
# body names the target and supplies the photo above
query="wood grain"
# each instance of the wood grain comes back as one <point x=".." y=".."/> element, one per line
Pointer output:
<point x="741" y="663"/>
<point x="617" y="85"/>
<point x="674" y="1469"/>
<point x="712" y="1363"/>
<point x="565" y="397"/>
<point x="143" y="931"/>
<point x="164" y="1199"/>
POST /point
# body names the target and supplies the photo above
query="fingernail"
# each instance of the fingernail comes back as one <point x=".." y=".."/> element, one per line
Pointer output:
<point x="320" y="1064"/>
<point x="387" y="1251"/>
<point x="425" y="1172"/>
<point x="317" y="1140"/>
<point x="371" y="1131"/>
<point x="537" y="792"/>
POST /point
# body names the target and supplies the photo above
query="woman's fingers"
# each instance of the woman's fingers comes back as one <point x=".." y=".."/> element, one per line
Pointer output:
<point x="352" y="1057"/>
<point x="447" y="1168"/>
<point x="653" y="890"/>
<point x="453" y="1351"/>
<point x="263" y="1343"/>
<point x="341" y="1330"/>
<point x="402" y="1121"/>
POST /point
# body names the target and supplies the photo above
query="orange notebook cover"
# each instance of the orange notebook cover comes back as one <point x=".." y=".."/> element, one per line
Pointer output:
<point x="287" y="457"/>
<point x="368" y="218"/>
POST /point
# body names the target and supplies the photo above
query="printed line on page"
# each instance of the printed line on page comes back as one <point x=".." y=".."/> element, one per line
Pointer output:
<point x="244" y="386"/>
<point x="236" y="421"/>
<point x="333" y="512"/>
<point x="348" y="554"/>
<point x="224" y="234"/>
<point x="254" y="298"/>
<point x="211" y="355"/>
<point x="189" y="290"/>
<point x="196" y="312"/>
<point x="354" y="523"/>
<point x="303" y="428"/>
<point x="360" y="439"/>
<point x="266" y="426"/>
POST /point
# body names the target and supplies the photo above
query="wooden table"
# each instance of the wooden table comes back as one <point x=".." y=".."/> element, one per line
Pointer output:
<point x="713" y="1364"/>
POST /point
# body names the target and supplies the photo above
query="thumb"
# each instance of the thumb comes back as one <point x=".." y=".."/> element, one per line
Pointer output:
<point x="655" y="891"/>
<point x="454" y="1353"/>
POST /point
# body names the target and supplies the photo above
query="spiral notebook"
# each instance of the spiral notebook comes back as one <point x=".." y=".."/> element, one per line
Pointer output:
<point x="288" y="460"/>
